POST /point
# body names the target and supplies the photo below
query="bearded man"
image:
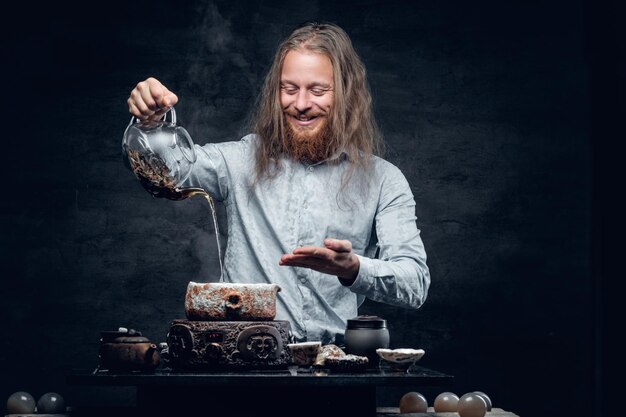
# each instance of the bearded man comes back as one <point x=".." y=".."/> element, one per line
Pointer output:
<point x="310" y="205"/>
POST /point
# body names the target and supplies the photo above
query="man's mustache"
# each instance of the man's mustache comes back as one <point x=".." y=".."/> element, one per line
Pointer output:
<point x="306" y="115"/>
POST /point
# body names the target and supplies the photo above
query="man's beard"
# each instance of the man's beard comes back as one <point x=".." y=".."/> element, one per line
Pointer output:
<point x="307" y="145"/>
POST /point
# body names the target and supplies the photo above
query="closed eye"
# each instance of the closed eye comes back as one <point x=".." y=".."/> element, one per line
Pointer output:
<point x="319" y="91"/>
<point x="289" y="89"/>
<point x="316" y="90"/>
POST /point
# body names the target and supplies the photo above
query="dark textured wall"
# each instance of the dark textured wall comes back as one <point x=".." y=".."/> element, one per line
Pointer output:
<point x="484" y="106"/>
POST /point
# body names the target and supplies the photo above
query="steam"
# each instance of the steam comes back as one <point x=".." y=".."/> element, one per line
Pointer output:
<point x="219" y="79"/>
<point x="215" y="30"/>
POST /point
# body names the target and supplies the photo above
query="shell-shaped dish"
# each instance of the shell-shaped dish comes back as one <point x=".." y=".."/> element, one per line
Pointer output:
<point x="401" y="356"/>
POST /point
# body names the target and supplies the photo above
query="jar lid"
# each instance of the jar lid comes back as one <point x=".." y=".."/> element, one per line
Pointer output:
<point x="367" y="322"/>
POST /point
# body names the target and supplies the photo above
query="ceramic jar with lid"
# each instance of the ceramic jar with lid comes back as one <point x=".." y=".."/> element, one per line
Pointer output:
<point x="365" y="334"/>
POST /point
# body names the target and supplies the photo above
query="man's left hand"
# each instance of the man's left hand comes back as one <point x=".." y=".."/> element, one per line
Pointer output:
<point x="335" y="258"/>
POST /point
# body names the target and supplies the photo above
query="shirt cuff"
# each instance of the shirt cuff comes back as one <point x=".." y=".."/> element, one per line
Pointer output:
<point x="364" y="278"/>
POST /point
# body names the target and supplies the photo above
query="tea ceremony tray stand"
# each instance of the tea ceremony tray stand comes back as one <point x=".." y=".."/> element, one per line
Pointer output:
<point x="301" y="391"/>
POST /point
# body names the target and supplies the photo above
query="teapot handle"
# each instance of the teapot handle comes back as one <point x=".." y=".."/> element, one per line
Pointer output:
<point x="171" y="111"/>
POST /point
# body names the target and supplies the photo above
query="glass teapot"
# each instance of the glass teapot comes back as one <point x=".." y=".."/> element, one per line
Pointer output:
<point x="161" y="155"/>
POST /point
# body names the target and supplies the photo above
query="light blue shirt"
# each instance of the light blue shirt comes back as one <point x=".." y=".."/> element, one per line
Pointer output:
<point x="303" y="205"/>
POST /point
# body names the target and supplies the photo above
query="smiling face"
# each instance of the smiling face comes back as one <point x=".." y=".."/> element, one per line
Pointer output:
<point x="306" y="98"/>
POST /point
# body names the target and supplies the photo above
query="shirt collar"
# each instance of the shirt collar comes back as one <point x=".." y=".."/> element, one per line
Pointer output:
<point x="336" y="158"/>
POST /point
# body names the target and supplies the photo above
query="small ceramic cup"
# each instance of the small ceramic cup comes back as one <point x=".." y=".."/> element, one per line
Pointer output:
<point x="305" y="353"/>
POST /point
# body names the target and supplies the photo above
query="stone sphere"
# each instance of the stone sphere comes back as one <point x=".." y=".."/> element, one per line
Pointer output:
<point x="413" y="402"/>
<point x="472" y="405"/>
<point x="21" y="403"/>
<point x="446" y="402"/>
<point x="51" y="403"/>
<point x="486" y="398"/>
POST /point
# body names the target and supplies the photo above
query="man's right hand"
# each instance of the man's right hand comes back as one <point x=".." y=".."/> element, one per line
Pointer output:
<point x="150" y="100"/>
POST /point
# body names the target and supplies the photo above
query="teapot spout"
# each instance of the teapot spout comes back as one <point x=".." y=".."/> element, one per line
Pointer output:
<point x="176" y="194"/>
<point x="152" y="358"/>
<point x="191" y="191"/>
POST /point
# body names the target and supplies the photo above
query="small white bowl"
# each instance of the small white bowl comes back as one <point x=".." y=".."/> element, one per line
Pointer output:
<point x="401" y="357"/>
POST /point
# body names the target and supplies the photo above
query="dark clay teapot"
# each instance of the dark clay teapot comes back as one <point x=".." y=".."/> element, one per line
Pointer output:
<point x="127" y="350"/>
